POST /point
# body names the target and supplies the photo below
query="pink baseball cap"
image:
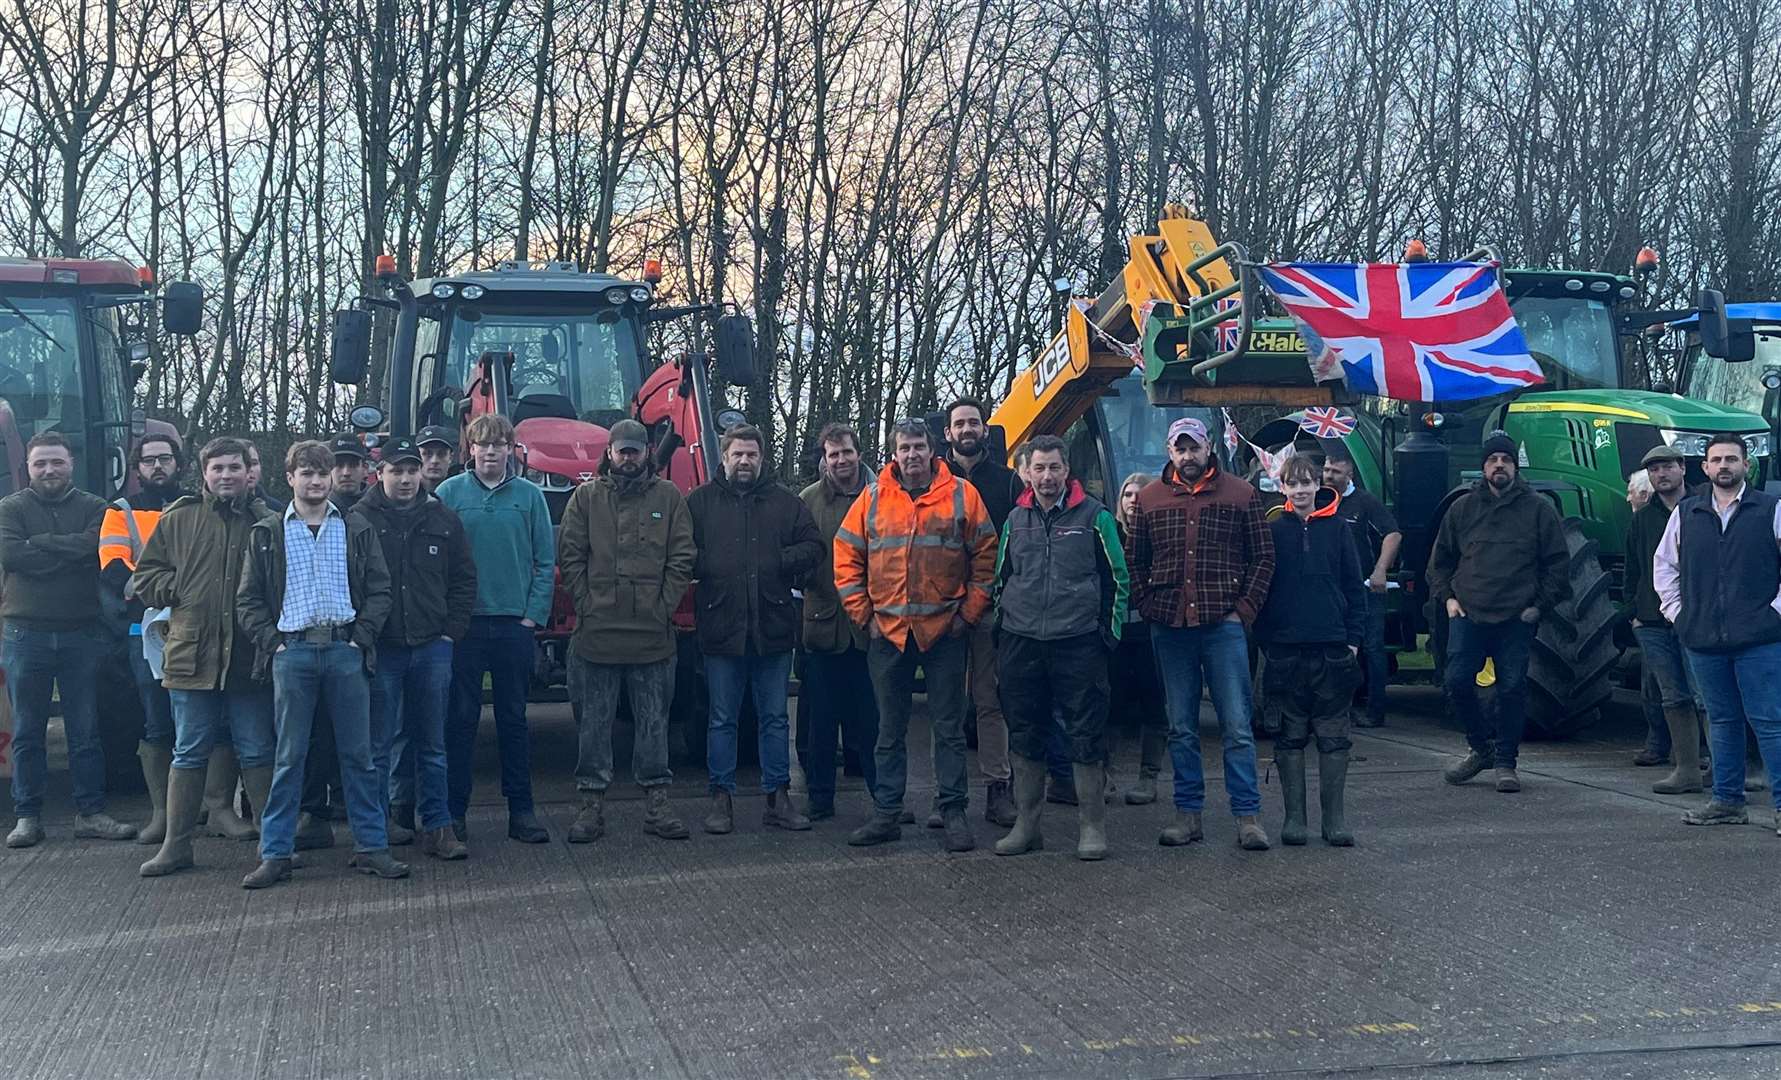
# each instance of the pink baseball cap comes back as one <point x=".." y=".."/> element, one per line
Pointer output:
<point x="1192" y="428"/>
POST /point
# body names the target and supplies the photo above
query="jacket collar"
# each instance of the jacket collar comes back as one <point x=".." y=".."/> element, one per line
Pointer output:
<point x="1328" y="502"/>
<point x="1073" y="496"/>
<point x="1175" y="483"/>
<point x="942" y="484"/>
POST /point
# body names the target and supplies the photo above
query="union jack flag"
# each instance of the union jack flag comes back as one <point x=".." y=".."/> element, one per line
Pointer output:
<point x="1414" y="332"/>
<point x="1326" y="423"/>
<point x="1231" y="330"/>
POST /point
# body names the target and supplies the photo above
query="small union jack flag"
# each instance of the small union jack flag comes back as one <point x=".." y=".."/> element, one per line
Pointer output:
<point x="1326" y="423"/>
<point x="1414" y="332"/>
<point x="1231" y="330"/>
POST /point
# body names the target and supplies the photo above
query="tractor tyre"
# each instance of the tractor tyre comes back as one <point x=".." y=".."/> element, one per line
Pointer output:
<point x="1571" y="673"/>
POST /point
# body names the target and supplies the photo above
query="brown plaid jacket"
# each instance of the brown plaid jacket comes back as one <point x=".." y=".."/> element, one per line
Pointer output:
<point x="1200" y="553"/>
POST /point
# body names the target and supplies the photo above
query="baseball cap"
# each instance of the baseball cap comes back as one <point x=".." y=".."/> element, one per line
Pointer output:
<point x="1661" y="453"/>
<point x="348" y="444"/>
<point x="403" y="449"/>
<point x="629" y="435"/>
<point x="1192" y="428"/>
<point x="436" y="433"/>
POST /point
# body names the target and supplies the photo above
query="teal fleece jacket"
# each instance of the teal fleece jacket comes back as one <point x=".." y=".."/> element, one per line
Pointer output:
<point x="512" y="542"/>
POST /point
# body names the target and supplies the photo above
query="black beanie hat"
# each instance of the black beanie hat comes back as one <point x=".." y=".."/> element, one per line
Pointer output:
<point x="1498" y="443"/>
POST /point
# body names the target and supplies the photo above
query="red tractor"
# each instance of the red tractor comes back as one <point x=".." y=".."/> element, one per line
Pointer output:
<point x="564" y="354"/>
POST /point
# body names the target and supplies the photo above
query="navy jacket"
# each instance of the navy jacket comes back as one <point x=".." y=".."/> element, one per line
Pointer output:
<point x="1318" y="595"/>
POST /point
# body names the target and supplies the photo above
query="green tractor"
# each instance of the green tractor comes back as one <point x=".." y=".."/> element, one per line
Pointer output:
<point x="1580" y="436"/>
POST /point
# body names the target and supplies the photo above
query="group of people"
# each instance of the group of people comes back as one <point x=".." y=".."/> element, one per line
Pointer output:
<point x="329" y="655"/>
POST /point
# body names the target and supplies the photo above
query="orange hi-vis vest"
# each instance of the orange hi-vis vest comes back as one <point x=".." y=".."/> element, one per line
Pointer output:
<point x="124" y="533"/>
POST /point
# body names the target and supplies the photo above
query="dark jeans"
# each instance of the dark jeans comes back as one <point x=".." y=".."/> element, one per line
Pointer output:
<point x="893" y="682"/>
<point x="1509" y="644"/>
<point x="1055" y="685"/>
<point x="37" y="662"/>
<point x="1312" y="685"/>
<point x="310" y="679"/>
<point x="321" y="771"/>
<point x="409" y="696"/>
<point x="1140" y="698"/>
<point x="1377" y="659"/>
<point x="1741" y="689"/>
<point x="503" y="649"/>
<point x="157" y="703"/>
<point x="836" y="698"/>
<point x="596" y="688"/>
<point x="1214" y="657"/>
<point x="766" y="679"/>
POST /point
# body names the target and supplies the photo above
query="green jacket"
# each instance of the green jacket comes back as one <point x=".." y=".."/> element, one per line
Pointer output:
<point x="260" y="599"/>
<point x="827" y="629"/>
<point x="191" y="564"/>
<point x="626" y="557"/>
<point x="510" y="539"/>
<point x="51" y="554"/>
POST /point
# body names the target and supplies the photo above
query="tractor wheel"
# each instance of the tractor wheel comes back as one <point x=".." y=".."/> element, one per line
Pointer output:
<point x="1570" y="675"/>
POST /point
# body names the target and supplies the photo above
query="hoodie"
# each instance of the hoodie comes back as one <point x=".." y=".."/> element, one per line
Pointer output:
<point x="1319" y="595"/>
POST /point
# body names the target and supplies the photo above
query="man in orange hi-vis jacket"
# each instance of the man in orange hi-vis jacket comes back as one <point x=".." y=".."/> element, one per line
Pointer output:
<point x="914" y="561"/>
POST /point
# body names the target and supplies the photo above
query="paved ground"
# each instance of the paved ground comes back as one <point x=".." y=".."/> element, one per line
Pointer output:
<point x="1577" y="930"/>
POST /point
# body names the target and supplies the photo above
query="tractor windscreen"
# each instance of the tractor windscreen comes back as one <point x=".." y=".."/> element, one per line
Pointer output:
<point x="1573" y="338"/>
<point x="1739" y="385"/>
<point x="40" y="377"/>
<point x="577" y="365"/>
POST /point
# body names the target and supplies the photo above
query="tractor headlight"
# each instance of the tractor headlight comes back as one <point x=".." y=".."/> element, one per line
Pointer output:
<point x="1690" y="443"/>
<point x="548" y="481"/>
<point x="445" y="290"/>
<point x="1757" y="445"/>
<point x="473" y="292"/>
<point x="618" y="294"/>
<point x="641" y="293"/>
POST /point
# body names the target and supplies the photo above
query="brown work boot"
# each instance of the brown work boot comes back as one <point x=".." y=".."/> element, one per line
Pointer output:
<point x="1184" y="829"/>
<point x="722" y="818"/>
<point x="444" y="844"/>
<point x="1250" y="835"/>
<point x="270" y="872"/>
<point x="1507" y="782"/>
<point x="659" y="819"/>
<point x="781" y="813"/>
<point x="590" y="820"/>
<point x="102" y="826"/>
<point x="1467" y="767"/>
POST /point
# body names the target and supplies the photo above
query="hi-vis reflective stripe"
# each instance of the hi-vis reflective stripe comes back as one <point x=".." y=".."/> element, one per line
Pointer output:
<point x="849" y="538"/>
<point x="1577" y="406"/>
<point x="872" y="515"/>
<point x="113" y="547"/>
<point x="850" y="590"/>
<point x="923" y="540"/>
<point x="914" y="609"/>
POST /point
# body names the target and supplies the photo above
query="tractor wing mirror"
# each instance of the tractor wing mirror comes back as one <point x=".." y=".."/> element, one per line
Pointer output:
<point x="350" y="352"/>
<point x="182" y="308"/>
<point x="1731" y="340"/>
<point x="735" y="350"/>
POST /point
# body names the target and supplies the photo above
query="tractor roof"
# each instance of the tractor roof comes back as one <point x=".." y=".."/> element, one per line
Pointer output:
<point x="1584" y="284"/>
<point x="528" y="277"/>
<point x="69" y="272"/>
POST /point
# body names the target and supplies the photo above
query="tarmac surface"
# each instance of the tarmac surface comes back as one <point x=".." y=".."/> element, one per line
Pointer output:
<point x="1576" y="930"/>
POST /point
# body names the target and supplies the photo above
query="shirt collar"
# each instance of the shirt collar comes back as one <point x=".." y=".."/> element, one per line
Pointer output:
<point x="1349" y="490"/>
<point x="290" y="510"/>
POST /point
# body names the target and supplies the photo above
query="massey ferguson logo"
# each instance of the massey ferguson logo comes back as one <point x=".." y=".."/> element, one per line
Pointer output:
<point x="585" y="477"/>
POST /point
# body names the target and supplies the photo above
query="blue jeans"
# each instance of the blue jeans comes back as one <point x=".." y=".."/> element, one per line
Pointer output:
<point x="1509" y="644"/>
<point x="893" y="683"/>
<point x="836" y="698"/>
<point x="1213" y="657"/>
<point x="726" y="679"/>
<point x="36" y="662"/>
<point x="503" y="649"/>
<point x="328" y="679"/>
<point x="241" y="717"/>
<point x="1376" y="659"/>
<point x="157" y="701"/>
<point x="1741" y="688"/>
<point x="408" y="699"/>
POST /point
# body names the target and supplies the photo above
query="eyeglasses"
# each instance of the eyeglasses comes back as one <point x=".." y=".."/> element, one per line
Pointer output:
<point x="161" y="459"/>
<point x="490" y="445"/>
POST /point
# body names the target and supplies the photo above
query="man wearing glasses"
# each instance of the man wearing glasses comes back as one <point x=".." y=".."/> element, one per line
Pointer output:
<point x="514" y="548"/>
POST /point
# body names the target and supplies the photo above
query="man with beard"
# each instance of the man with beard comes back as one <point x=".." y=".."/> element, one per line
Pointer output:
<point x="350" y="471"/>
<point x="1678" y="728"/>
<point x="836" y="694"/>
<point x="1499" y="563"/>
<point x="191" y="565"/>
<point x="626" y="557"/>
<point x="1201" y="562"/>
<point x="968" y="454"/>
<point x="1715" y="574"/>
<point x="49" y="543"/>
<point x="754" y="539"/>
<point x="128" y="523"/>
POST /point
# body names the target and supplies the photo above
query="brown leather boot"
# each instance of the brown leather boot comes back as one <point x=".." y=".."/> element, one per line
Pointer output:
<point x="781" y="813"/>
<point x="721" y="819"/>
<point x="659" y="819"/>
<point x="444" y="844"/>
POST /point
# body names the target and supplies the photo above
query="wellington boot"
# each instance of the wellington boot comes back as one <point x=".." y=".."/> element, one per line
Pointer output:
<point x="1028" y="785"/>
<point x="219" y="798"/>
<point x="1685" y="747"/>
<point x="185" y="797"/>
<point x="1332" y="786"/>
<point x="256" y="780"/>
<point x="1091" y="817"/>
<point x="157" y="762"/>
<point x="1291" y="764"/>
